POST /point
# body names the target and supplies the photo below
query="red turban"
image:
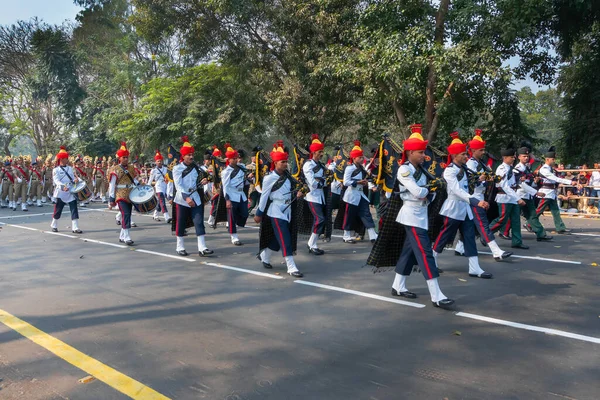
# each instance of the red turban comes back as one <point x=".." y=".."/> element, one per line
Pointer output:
<point x="186" y="148"/>
<point x="316" y="144"/>
<point x="123" y="152"/>
<point x="62" y="153"/>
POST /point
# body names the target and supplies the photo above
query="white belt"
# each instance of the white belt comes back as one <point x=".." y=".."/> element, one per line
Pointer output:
<point x="125" y="186"/>
<point x="421" y="203"/>
<point x="281" y="201"/>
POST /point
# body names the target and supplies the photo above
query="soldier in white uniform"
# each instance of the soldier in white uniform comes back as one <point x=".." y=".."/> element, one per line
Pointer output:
<point x="525" y="191"/>
<point x="476" y="165"/>
<point x="413" y="216"/>
<point x="314" y="172"/>
<point x="277" y="189"/>
<point x="158" y="176"/>
<point x="550" y="183"/>
<point x="188" y="200"/>
<point x="64" y="178"/>
<point x="357" y="203"/>
<point x="233" y="179"/>
<point x="509" y="202"/>
<point x="456" y="209"/>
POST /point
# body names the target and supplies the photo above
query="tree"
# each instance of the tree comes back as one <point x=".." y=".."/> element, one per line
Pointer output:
<point x="544" y="113"/>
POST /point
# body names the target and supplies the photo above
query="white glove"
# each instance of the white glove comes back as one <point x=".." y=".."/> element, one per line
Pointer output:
<point x="19" y="180"/>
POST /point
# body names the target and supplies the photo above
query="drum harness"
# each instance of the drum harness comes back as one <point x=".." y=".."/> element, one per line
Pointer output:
<point x="66" y="173"/>
<point x="130" y="178"/>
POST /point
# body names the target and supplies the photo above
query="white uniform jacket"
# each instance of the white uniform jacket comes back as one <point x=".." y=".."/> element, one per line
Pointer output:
<point x="475" y="166"/>
<point x="508" y="185"/>
<point x="549" y="178"/>
<point x="185" y="186"/>
<point x="158" y="175"/>
<point x="414" y="196"/>
<point x="280" y="198"/>
<point x="336" y="186"/>
<point x="354" y="192"/>
<point x="315" y="181"/>
<point x="525" y="190"/>
<point x="457" y="204"/>
<point x="61" y="180"/>
<point x="233" y="188"/>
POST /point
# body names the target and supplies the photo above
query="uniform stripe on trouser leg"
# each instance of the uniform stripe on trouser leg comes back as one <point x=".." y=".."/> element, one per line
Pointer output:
<point x="314" y="213"/>
<point x="501" y="218"/>
<point x="281" y="241"/>
<point x="483" y="231"/>
<point x="541" y="207"/>
<point x="441" y="233"/>
<point x="422" y="251"/>
<point x="346" y="215"/>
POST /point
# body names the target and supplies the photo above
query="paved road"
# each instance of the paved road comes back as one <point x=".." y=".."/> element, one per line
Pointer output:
<point x="189" y="330"/>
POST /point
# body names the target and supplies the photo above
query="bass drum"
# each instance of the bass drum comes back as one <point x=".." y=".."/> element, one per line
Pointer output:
<point x="143" y="199"/>
<point x="81" y="191"/>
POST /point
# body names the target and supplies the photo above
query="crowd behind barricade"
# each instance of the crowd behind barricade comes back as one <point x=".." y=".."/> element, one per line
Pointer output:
<point x="584" y="197"/>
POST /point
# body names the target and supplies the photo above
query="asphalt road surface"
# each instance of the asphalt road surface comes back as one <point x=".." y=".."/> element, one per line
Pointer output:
<point x="143" y="323"/>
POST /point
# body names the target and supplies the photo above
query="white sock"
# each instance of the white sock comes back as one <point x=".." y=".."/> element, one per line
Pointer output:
<point x="74" y="224"/>
<point x="118" y="216"/>
<point x="23" y="206"/>
<point x="265" y="255"/>
<point x="400" y="283"/>
<point x="180" y="244"/>
<point x="347" y="235"/>
<point x="291" y="265"/>
<point x="126" y="233"/>
<point x="166" y="215"/>
<point x="312" y="242"/>
<point x="211" y="220"/>
<point x="435" y="291"/>
<point x="234" y="237"/>
<point x="54" y="223"/>
<point x="496" y="250"/>
<point x="122" y="234"/>
<point x="474" y="267"/>
<point x="201" y="243"/>
<point x="155" y="213"/>
<point x="460" y="247"/>
<point x="372" y="234"/>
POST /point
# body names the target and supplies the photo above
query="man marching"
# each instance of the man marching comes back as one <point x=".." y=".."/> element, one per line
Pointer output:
<point x="413" y="215"/>
<point x="476" y="165"/>
<point x="64" y="177"/>
<point x="7" y="180"/>
<point x="233" y="190"/>
<point x="458" y="215"/>
<point x="188" y="199"/>
<point x="357" y="203"/>
<point x="37" y="178"/>
<point x="314" y="172"/>
<point x="275" y="199"/>
<point x="122" y="180"/>
<point x="21" y="183"/>
<point x="158" y="179"/>
<point x="550" y="183"/>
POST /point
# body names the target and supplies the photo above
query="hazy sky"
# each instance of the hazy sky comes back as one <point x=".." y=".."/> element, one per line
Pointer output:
<point x="57" y="11"/>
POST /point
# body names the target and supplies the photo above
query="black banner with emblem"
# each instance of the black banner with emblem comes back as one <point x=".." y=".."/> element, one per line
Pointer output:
<point x="340" y="165"/>
<point x="263" y="165"/>
<point x="300" y="157"/>
<point x="390" y="155"/>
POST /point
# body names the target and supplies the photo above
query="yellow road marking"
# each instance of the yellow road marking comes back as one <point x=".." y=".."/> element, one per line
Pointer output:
<point x="100" y="371"/>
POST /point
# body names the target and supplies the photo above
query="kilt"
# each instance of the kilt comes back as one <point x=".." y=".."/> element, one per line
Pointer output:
<point x="221" y="209"/>
<point x="357" y="225"/>
<point x="388" y="246"/>
<point x="189" y="223"/>
<point x="266" y="233"/>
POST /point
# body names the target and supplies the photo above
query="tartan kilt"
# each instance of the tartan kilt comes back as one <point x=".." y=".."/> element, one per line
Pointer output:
<point x="221" y="209"/>
<point x="305" y="217"/>
<point x="490" y="196"/>
<point x="436" y="221"/>
<point x="356" y="225"/>
<point x="328" y="214"/>
<point x="388" y="246"/>
<point x="266" y="233"/>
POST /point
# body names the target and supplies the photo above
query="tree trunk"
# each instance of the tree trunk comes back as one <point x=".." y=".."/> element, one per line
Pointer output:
<point x="432" y="77"/>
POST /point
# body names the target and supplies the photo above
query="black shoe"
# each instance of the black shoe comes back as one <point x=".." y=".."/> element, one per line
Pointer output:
<point x="118" y="222"/>
<point x="456" y="253"/>
<point x="129" y="242"/>
<point x="505" y="237"/>
<point x="483" y="275"/>
<point x="520" y="246"/>
<point x="264" y="264"/>
<point x="563" y="232"/>
<point x="483" y="242"/>
<point x="545" y="239"/>
<point x="205" y="252"/>
<point x="78" y="231"/>
<point x="445" y="303"/>
<point x="28" y="210"/>
<point x="373" y="241"/>
<point x="351" y="241"/>
<point x="316" y="251"/>
<point x="169" y="220"/>
<point x="133" y="225"/>
<point x="407" y="294"/>
<point x="238" y="243"/>
<point x="527" y="227"/>
<point x="504" y="256"/>
<point x="182" y="253"/>
<point x="296" y="274"/>
<point x="54" y="229"/>
<point x="440" y="271"/>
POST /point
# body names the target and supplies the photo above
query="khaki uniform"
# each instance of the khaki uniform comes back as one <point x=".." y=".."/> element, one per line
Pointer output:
<point x="35" y="193"/>
<point x="20" y="172"/>
<point x="89" y="180"/>
<point x="48" y="188"/>
<point x="7" y="185"/>
<point x="101" y="182"/>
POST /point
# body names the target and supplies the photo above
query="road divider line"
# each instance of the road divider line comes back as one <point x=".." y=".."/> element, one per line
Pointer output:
<point x="362" y="294"/>
<point x="165" y="255"/>
<point x="120" y="246"/>
<point x="113" y="378"/>
<point x="34" y="215"/>
<point x="24" y="227"/>
<point x="247" y="271"/>
<point x="60" y="234"/>
<point x="531" y="257"/>
<point x="586" y="234"/>
<point x="534" y="328"/>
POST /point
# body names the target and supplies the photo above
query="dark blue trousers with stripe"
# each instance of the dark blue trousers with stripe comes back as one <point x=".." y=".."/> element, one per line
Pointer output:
<point x="126" y="209"/>
<point x="417" y="251"/>
<point x="162" y="204"/>
<point x="318" y="212"/>
<point x="237" y="215"/>
<point x="283" y="237"/>
<point x="360" y="211"/>
<point x="58" y="208"/>
<point x="197" y="215"/>
<point x="482" y="224"/>
<point x="448" y="233"/>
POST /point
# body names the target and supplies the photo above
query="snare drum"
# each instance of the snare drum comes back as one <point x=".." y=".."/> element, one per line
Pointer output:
<point x="143" y="199"/>
<point x="81" y="191"/>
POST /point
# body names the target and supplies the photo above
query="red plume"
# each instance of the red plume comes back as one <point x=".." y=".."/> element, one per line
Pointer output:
<point x="357" y="142"/>
<point x="123" y="144"/>
<point x="63" y="148"/>
<point x="478" y="132"/>
<point x="185" y="139"/>
<point x="314" y="136"/>
<point x="227" y="145"/>
<point x="454" y="135"/>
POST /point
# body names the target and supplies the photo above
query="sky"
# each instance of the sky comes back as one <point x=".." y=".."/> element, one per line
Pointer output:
<point x="57" y="11"/>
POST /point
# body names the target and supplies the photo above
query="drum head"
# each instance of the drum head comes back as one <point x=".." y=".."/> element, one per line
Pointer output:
<point x="78" y="187"/>
<point x="141" y="194"/>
